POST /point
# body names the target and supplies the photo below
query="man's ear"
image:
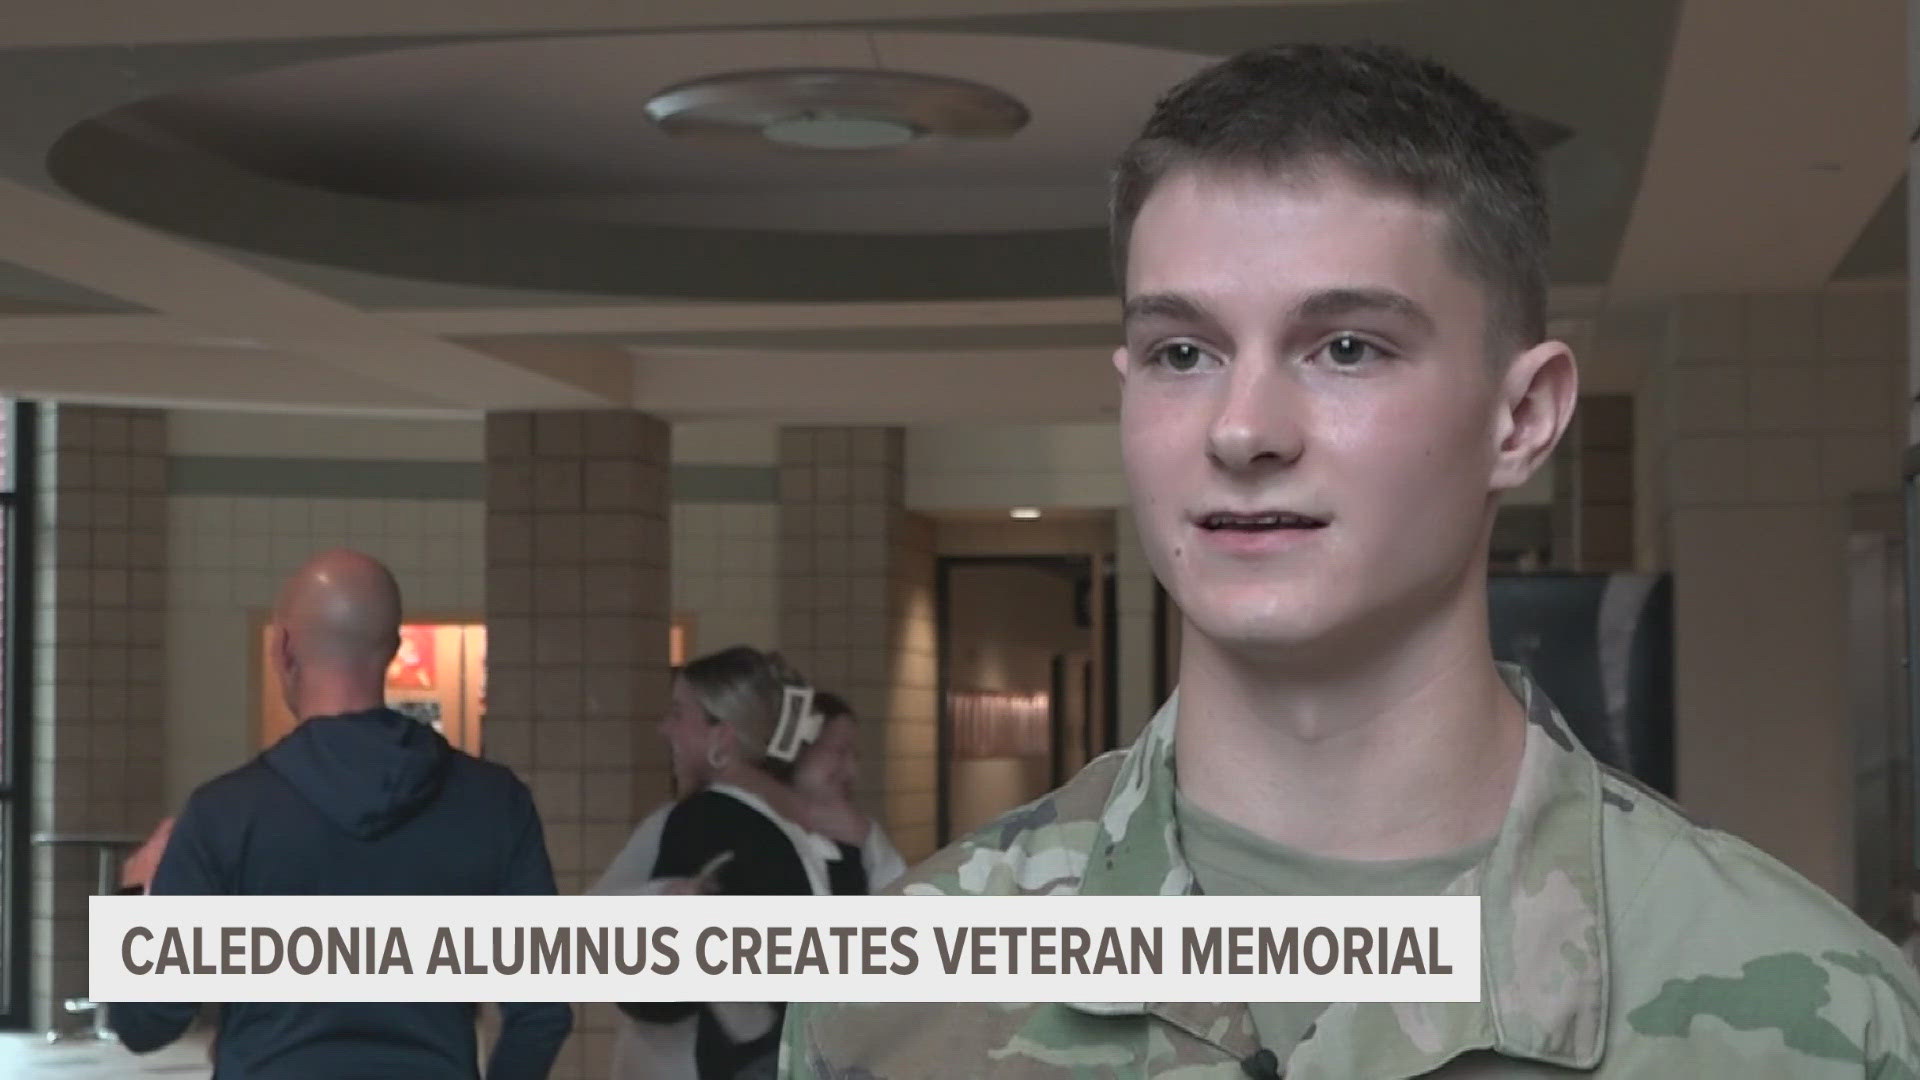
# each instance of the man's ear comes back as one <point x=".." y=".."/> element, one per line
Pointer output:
<point x="728" y="740"/>
<point x="280" y="648"/>
<point x="280" y="655"/>
<point x="1534" y="405"/>
<point x="1120" y="362"/>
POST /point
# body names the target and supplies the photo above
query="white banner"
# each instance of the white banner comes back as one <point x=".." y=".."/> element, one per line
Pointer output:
<point x="798" y="948"/>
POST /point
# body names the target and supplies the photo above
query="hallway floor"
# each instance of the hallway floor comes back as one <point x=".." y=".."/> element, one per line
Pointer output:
<point x="30" y="1057"/>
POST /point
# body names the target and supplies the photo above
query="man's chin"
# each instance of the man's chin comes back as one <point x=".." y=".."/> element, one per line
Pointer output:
<point x="1257" y="633"/>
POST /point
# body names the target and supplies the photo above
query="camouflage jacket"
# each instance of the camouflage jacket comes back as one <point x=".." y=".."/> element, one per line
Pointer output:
<point x="1619" y="939"/>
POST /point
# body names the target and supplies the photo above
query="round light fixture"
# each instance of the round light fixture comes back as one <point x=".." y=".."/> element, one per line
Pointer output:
<point x="839" y="133"/>
<point x="833" y="109"/>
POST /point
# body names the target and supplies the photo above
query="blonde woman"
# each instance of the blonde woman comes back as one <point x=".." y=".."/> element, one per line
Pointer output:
<point x="815" y="792"/>
<point x="736" y="829"/>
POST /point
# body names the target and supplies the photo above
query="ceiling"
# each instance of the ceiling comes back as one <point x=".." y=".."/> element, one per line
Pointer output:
<point x="399" y="208"/>
<point x="553" y="129"/>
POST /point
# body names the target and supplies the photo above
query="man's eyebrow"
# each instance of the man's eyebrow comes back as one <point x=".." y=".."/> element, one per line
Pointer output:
<point x="1334" y="303"/>
<point x="1169" y="306"/>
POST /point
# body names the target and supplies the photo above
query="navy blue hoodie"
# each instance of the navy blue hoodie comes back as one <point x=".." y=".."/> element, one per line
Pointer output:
<point x="371" y="803"/>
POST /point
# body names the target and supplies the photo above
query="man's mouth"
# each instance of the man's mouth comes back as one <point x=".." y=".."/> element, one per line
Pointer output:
<point x="1268" y="521"/>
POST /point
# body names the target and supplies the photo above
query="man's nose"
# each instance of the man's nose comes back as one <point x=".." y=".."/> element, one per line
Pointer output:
<point x="1257" y="420"/>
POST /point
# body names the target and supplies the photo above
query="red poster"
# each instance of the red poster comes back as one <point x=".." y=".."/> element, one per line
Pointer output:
<point x="412" y="667"/>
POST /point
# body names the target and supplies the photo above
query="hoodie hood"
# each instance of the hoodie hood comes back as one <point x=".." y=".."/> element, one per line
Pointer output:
<point x="367" y="772"/>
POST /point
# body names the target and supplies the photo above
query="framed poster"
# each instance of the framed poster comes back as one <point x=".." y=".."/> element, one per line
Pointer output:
<point x="680" y="640"/>
<point x="412" y="669"/>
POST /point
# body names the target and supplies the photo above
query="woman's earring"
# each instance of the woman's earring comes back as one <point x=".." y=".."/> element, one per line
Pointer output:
<point x="716" y="757"/>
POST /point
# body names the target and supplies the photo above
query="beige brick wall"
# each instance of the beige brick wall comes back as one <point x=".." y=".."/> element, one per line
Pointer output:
<point x="1778" y="410"/>
<point x="856" y="608"/>
<point x="577" y="596"/>
<point x="1605" y="487"/>
<point x="99" y="606"/>
<point x="726" y="573"/>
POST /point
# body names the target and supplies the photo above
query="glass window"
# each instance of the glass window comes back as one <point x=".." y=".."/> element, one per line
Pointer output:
<point x="15" y="760"/>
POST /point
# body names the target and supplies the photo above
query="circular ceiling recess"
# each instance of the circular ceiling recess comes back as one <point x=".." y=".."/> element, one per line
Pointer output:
<point x="737" y="165"/>
<point x="800" y="165"/>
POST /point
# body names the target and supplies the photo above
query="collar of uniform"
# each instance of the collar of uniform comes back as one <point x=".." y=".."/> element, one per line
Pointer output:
<point x="1137" y="853"/>
<point x="1543" y="935"/>
<point x="1543" y="924"/>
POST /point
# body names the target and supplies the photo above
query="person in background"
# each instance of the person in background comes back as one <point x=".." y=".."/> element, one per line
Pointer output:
<point x="736" y="829"/>
<point x="824" y="777"/>
<point x="815" y="792"/>
<point x="357" y="800"/>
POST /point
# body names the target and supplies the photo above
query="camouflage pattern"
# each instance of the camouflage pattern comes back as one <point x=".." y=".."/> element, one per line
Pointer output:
<point x="1620" y="939"/>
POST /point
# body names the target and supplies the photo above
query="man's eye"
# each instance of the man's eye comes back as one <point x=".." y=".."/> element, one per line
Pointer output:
<point x="1181" y="356"/>
<point x="1349" y="350"/>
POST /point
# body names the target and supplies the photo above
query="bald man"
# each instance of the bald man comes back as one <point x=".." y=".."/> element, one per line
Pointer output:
<point x="357" y="800"/>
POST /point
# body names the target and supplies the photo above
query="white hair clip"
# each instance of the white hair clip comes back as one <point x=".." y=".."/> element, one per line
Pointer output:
<point x="799" y="723"/>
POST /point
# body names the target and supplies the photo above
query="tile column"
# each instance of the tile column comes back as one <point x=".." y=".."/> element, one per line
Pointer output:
<point x="577" y="615"/>
<point x="1606" y="486"/>
<point x="1780" y="411"/>
<point x="99" y="595"/>
<point x="857" y="609"/>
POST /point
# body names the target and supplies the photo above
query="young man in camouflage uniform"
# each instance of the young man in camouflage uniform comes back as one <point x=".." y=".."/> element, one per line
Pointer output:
<point x="1335" y="362"/>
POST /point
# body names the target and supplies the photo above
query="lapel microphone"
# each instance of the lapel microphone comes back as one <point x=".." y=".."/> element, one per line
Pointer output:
<point x="1262" y="1064"/>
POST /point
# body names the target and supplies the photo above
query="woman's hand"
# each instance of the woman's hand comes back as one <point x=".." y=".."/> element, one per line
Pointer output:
<point x="704" y="883"/>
